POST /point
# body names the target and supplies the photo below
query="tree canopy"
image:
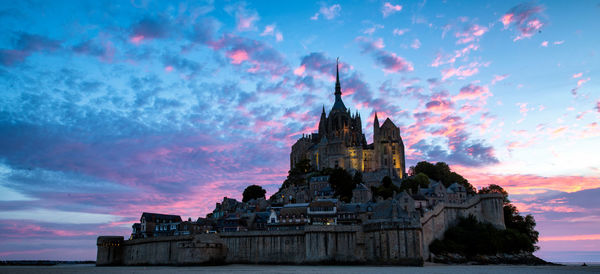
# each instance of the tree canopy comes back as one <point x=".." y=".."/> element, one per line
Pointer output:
<point x="386" y="189"/>
<point x="415" y="182"/>
<point x="441" y="172"/>
<point x="253" y="192"/>
<point x="342" y="183"/>
<point x="471" y="237"/>
<point x="297" y="175"/>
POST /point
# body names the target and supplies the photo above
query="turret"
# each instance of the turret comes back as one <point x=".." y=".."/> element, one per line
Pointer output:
<point x="323" y="124"/>
<point x="375" y="129"/>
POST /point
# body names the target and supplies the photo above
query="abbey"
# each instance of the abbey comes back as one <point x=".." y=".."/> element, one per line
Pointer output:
<point x="341" y="142"/>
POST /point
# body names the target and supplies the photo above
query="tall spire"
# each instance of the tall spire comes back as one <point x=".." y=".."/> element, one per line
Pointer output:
<point x="338" y="104"/>
<point x="338" y="88"/>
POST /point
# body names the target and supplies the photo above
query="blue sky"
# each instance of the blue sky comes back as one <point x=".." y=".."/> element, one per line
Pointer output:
<point x="108" y="109"/>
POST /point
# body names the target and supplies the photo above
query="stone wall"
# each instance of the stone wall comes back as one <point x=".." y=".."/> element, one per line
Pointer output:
<point x="173" y="250"/>
<point x="397" y="241"/>
<point x="485" y="207"/>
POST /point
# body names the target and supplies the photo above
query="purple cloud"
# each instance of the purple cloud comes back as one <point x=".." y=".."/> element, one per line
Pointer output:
<point x="389" y="61"/>
<point x="526" y="17"/>
<point x="25" y="45"/>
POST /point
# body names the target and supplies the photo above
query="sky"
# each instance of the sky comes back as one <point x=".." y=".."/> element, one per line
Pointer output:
<point x="112" y="108"/>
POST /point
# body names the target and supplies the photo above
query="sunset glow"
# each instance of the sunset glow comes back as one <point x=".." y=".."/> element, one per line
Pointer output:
<point x="112" y="109"/>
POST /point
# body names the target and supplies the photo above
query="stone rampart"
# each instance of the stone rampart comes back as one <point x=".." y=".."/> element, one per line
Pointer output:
<point x="485" y="207"/>
<point x="402" y="241"/>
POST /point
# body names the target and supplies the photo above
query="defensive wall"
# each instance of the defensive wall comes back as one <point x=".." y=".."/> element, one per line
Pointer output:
<point x="485" y="207"/>
<point x="395" y="241"/>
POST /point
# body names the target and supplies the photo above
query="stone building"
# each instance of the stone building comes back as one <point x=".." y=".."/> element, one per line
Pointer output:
<point x="340" y="142"/>
<point x="154" y="225"/>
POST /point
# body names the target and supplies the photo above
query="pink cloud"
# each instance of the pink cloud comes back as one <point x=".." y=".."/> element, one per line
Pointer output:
<point x="470" y="33"/>
<point x="415" y="44"/>
<point x="245" y="18"/>
<point x="577" y="75"/>
<point x="136" y="39"/>
<point x="498" y="78"/>
<point x="585" y="237"/>
<point x="525" y="17"/>
<point x="389" y="9"/>
<point x="544" y="44"/>
<point x="451" y="58"/>
<point x="237" y="56"/>
<point x="329" y="13"/>
<point x="300" y="70"/>
<point x="439" y="106"/>
<point x="460" y="72"/>
<point x="472" y="92"/>
<point x="389" y="61"/>
<point x="527" y="183"/>
<point x="400" y="32"/>
<point x="169" y="68"/>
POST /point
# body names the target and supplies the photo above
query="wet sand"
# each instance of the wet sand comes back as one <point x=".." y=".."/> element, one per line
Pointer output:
<point x="263" y="269"/>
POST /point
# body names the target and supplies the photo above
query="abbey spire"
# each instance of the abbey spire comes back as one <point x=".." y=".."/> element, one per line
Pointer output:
<point x="338" y="104"/>
<point x="338" y="88"/>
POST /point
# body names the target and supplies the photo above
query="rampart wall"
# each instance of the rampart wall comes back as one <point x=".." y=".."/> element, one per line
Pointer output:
<point x="397" y="241"/>
<point x="485" y="207"/>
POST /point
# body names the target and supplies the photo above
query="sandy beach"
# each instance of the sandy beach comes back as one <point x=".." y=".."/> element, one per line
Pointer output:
<point x="429" y="268"/>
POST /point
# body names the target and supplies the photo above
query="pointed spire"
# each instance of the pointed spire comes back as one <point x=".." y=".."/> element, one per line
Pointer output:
<point x="323" y="109"/>
<point x="338" y="88"/>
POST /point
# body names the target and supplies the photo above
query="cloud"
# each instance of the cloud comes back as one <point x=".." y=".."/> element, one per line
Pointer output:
<point x="462" y="71"/>
<point x="372" y="29"/>
<point x="442" y="59"/>
<point x="526" y="18"/>
<point x="416" y="44"/>
<point x="329" y="13"/>
<point x="498" y="78"/>
<point x="400" y="32"/>
<point x="471" y="153"/>
<point x="149" y="28"/>
<point x="389" y="9"/>
<point x="270" y="30"/>
<point x="472" y="92"/>
<point x="389" y="61"/>
<point x="245" y="18"/>
<point x="580" y="83"/>
<point x="204" y="30"/>
<point x="470" y="33"/>
<point x="261" y="57"/>
<point x="105" y="51"/>
<point x="26" y="44"/>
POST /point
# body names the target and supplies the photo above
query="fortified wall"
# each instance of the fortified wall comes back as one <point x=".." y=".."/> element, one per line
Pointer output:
<point x="394" y="241"/>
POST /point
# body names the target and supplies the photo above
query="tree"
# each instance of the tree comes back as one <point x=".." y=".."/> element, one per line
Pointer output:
<point x="297" y="175"/>
<point x="441" y="172"/>
<point x="415" y="182"/>
<point x="513" y="219"/>
<point x="253" y="192"/>
<point x="342" y="183"/>
<point x="495" y="189"/>
<point x="386" y="189"/>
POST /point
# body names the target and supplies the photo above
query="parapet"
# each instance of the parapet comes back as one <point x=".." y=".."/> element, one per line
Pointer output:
<point x="110" y="250"/>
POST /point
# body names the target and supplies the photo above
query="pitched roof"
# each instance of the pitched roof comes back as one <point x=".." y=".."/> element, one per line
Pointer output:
<point x="153" y="217"/>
